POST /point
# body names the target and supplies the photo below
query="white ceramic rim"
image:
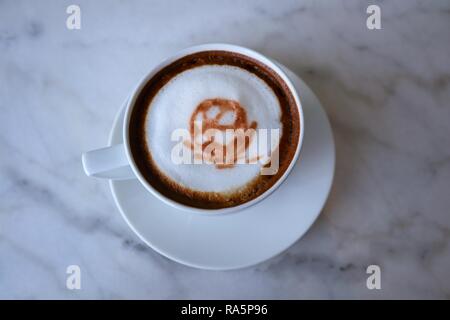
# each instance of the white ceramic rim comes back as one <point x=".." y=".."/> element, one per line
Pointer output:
<point x="199" y="48"/>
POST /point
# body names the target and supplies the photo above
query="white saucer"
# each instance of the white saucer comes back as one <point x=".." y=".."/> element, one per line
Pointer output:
<point x="245" y="238"/>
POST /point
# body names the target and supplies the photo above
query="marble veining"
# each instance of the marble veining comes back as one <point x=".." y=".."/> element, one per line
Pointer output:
<point x="386" y="92"/>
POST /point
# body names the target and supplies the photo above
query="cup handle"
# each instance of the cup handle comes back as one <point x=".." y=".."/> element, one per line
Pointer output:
<point x="110" y="163"/>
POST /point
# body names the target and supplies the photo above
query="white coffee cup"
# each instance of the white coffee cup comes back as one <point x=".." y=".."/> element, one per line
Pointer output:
<point x="113" y="162"/>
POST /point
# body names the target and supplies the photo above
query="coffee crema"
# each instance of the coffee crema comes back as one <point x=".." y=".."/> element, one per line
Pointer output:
<point x="222" y="90"/>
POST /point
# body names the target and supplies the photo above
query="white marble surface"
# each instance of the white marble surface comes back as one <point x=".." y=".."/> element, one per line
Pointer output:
<point x="386" y="92"/>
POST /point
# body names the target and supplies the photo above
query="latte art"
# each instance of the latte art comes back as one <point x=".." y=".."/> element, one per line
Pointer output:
<point x="186" y="99"/>
<point x="224" y="116"/>
<point x="223" y="101"/>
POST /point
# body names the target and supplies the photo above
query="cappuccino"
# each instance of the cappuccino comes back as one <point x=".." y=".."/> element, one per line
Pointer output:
<point x="220" y="91"/>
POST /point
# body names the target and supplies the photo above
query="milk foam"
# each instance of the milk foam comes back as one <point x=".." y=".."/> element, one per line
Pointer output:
<point x="172" y="107"/>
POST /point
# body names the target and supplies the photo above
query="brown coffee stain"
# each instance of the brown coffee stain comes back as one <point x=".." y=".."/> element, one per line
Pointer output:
<point x="210" y="114"/>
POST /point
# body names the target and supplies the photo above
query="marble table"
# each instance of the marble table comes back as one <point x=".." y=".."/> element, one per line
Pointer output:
<point x="386" y="92"/>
